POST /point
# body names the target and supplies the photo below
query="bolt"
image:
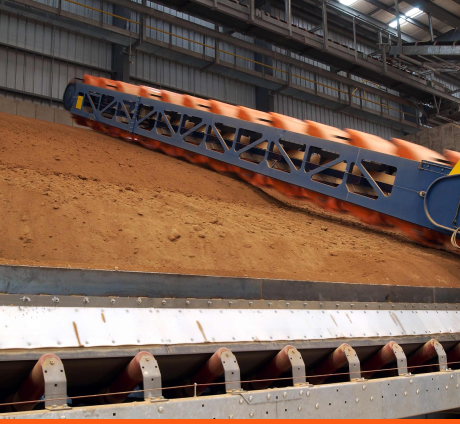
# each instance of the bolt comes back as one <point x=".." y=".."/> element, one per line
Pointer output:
<point x="209" y="303"/>
<point x="230" y="302"/>
<point x="357" y="400"/>
<point x="285" y="395"/>
<point x="451" y="376"/>
<point x="147" y="359"/>
<point x="287" y="303"/>
<point x="230" y="416"/>
<point x="52" y="362"/>
<point x="112" y="301"/>
<point x="364" y="387"/>
<point x="447" y="387"/>
<point x="301" y="393"/>
<point x="250" y="303"/>
<point x="269" y="396"/>
<point x="160" y="409"/>
<point x="405" y="393"/>
<point x="85" y="300"/>
<point x="299" y="408"/>
<point x="250" y="398"/>
<point x="308" y="394"/>
<point x="269" y="303"/>
<point x="187" y="302"/>
<point x="372" y="398"/>
<point x="411" y="381"/>
<point x="139" y="301"/>
<point x="163" y="302"/>
<point x="241" y="401"/>
<point x="55" y="299"/>
<point x="317" y="406"/>
<point x="418" y="391"/>
<point x="251" y="415"/>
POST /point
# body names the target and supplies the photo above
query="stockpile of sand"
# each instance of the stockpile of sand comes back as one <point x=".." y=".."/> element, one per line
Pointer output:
<point x="73" y="197"/>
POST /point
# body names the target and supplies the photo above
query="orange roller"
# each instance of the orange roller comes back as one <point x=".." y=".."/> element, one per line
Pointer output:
<point x="315" y="129"/>
<point x="408" y="150"/>
<point x="91" y="80"/>
<point x="371" y="142"/>
<point x="109" y="84"/>
<point x="224" y="109"/>
<point x="197" y="103"/>
<point x="452" y="156"/>
<point x="288" y="123"/>
<point x="150" y="93"/>
<point x="171" y="97"/>
<point x="256" y="116"/>
<point x="419" y="234"/>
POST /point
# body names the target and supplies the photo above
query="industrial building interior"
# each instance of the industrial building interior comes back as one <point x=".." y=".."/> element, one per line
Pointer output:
<point x="229" y="208"/>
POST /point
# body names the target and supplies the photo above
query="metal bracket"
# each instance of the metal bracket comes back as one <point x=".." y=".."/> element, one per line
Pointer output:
<point x="298" y="367"/>
<point x="442" y="356"/>
<point x="401" y="360"/>
<point x="151" y="377"/>
<point x="231" y="372"/>
<point x="55" y="384"/>
<point x="353" y="363"/>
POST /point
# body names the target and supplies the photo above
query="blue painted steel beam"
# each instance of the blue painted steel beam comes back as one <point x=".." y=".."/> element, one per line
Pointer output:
<point x="410" y="198"/>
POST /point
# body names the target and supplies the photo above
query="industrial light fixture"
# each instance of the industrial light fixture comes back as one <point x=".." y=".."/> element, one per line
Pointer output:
<point x="348" y="2"/>
<point x="413" y="13"/>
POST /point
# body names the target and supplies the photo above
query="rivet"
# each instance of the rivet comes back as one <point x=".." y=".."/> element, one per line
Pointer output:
<point x="317" y="406"/>
<point x="160" y="409"/>
<point x="299" y="408"/>
<point x="447" y="387"/>
<point x="52" y="362"/>
<point x="139" y="301"/>
<point x="285" y="395"/>
<point x="250" y="398"/>
<point x="251" y="414"/>
<point x="241" y="401"/>
<point x="230" y="416"/>
<point x="209" y="302"/>
<point x="456" y="386"/>
<point x="364" y="387"/>
<point x="269" y="396"/>
<point x="405" y="393"/>
<point x="187" y="302"/>
<point x="269" y="303"/>
<point x="308" y="394"/>
<point x="411" y="381"/>
<point x="301" y="393"/>
<point x="112" y="301"/>
<point x="62" y="417"/>
<point x="85" y="300"/>
<point x="418" y="391"/>
<point x="372" y="398"/>
<point x="163" y="302"/>
<point x="55" y="299"/>
<point x="451" y="376"/>
<point x="305" y="304"/>
<point x="287" y="303"/>
<point x="230" y="302"/>
<point x="357" y="400"/>
<point x="250" y="303"/>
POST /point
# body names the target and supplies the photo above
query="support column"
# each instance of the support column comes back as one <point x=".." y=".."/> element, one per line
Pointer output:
<point x="264" y="98"/>
<point x="120" y="59"/>
<point x="430" y="24"/>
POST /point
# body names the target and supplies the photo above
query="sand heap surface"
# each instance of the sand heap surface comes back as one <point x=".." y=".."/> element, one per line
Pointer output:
<point x="73" y="197"/>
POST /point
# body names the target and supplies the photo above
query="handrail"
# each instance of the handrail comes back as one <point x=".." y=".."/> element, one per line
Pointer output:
<point x="382" y="106"/>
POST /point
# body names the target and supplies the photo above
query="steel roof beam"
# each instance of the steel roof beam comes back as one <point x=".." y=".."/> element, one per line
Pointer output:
<point x="437" y="12"/>
<point x="391" y="9"/>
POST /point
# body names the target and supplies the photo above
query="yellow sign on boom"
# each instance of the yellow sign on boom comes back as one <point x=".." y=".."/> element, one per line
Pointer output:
<point x="456" y="169"/>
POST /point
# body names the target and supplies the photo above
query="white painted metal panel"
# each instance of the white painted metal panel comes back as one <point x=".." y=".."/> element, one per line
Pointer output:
<point x="41" y="327"/>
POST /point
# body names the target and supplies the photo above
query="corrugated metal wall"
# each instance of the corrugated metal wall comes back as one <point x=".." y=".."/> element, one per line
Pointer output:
<point x="36" y="59"/>
<point x="185" y="78"/>
<point x="303" y="110"/>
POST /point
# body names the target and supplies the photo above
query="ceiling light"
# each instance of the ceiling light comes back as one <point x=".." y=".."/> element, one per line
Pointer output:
<point x="393" y="24"/>
<point x="413" y="13"/>
<point x="348" y="2"/>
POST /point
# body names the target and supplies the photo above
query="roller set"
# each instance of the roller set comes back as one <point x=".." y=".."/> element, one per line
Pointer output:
<point x="386" y="183"/>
